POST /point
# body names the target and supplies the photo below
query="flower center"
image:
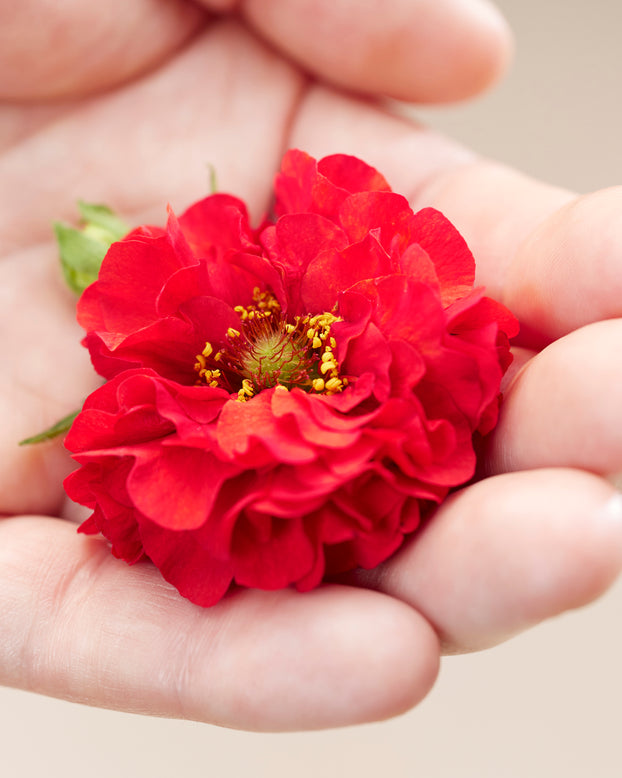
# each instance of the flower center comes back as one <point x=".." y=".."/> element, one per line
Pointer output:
<point x="267" y="350"/>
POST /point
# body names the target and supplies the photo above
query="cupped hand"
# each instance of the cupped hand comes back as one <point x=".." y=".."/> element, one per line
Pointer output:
<point x="130" y="110"/>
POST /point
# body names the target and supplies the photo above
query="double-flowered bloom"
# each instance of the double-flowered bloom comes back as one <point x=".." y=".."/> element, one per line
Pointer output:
<point x="287" y="402"/>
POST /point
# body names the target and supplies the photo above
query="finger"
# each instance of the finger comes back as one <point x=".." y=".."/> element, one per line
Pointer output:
<point x="80" y="625"/>
<point x="565" y="406"/>
<point x="426" y="50"/>
<point x="196" y="111"/>
<point x="69" y="48"/>
<point x="507" y="553"/>
<point x="569" y="272"/>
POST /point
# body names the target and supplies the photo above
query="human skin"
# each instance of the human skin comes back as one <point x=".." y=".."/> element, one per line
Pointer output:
<point x="97" y="109"/>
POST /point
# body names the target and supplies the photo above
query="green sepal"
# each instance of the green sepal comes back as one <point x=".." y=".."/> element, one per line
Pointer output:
<point x="82" y="250"/>
<point x="102" y="219"/>
<point x="62" y="426"/>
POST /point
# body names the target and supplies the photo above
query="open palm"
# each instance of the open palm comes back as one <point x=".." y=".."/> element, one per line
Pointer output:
<point x="539" y="533"/>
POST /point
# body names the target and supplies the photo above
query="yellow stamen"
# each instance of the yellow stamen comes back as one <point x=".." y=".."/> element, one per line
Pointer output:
<point x="247" y="391"/>
<point x="334" y="384"/>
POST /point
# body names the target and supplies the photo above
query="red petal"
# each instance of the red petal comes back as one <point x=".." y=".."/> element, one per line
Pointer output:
<point x="332" y="272"/>
<point x="476" y="311"/>
<point x="406" y="309"/>
<point x="454" y="263"/>
<point x="352" y="174"/>
<point x="301" y="237"/>
<point x="416" y="263"/>
<point x="217" y="221"/>
<point x="175" y="486"/>
<point x="285" y="556"/>
<point x="298" y="404"/>
<point x="185" y="563"/>
<point x="132" y="275"/>
<point x="248" y="431"/>
<point x="299" y="188"/>
<point x="386" y="212"/>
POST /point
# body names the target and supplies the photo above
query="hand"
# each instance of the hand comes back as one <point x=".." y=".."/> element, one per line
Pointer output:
<point x="539" y="535"/>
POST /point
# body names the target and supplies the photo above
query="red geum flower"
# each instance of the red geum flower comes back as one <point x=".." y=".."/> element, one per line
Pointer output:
<point x="285" y="403"/>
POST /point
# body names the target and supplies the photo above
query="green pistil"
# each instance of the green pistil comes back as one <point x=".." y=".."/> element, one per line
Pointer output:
<point x="268" y="351"/>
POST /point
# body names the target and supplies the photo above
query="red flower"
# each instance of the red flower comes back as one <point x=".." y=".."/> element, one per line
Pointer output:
<point x="288" y="402"/>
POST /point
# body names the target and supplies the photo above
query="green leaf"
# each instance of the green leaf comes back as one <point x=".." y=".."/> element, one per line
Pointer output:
<point x="62" y="426"/>
<point x="83" y="249"/>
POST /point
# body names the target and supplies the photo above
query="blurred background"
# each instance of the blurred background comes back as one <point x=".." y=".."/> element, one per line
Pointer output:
<point x="546" y="704"/>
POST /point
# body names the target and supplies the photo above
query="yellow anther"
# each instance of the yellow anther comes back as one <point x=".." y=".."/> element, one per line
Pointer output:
<point x="246" y="391"/>
<point x="247" y="387"/>
<point x="334" y="385"/>
<point x="327" y="356"/>
<point x="317" y="343"/>
<point x="207" y="351"/>
<point x="311" y="333"/>
<point x="318" y="384"/>
<point x="200" y="362"/>
<point x="333" y="343"/>
<point x="233" y="333"/>
<point x="325" y="367"/>
<point x="289" y="328"/>
<point x="213" y="384"/>
<point x="218" y="356"/>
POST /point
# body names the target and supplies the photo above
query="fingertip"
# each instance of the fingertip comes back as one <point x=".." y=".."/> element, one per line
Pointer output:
<point x="510" y="552"/>
<point x="329" y="658"/>
<point x="468" y="48"/>
<point x="423" y="51"/>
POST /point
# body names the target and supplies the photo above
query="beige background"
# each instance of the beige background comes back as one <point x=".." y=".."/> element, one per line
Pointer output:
<point x="547" y="704"/>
